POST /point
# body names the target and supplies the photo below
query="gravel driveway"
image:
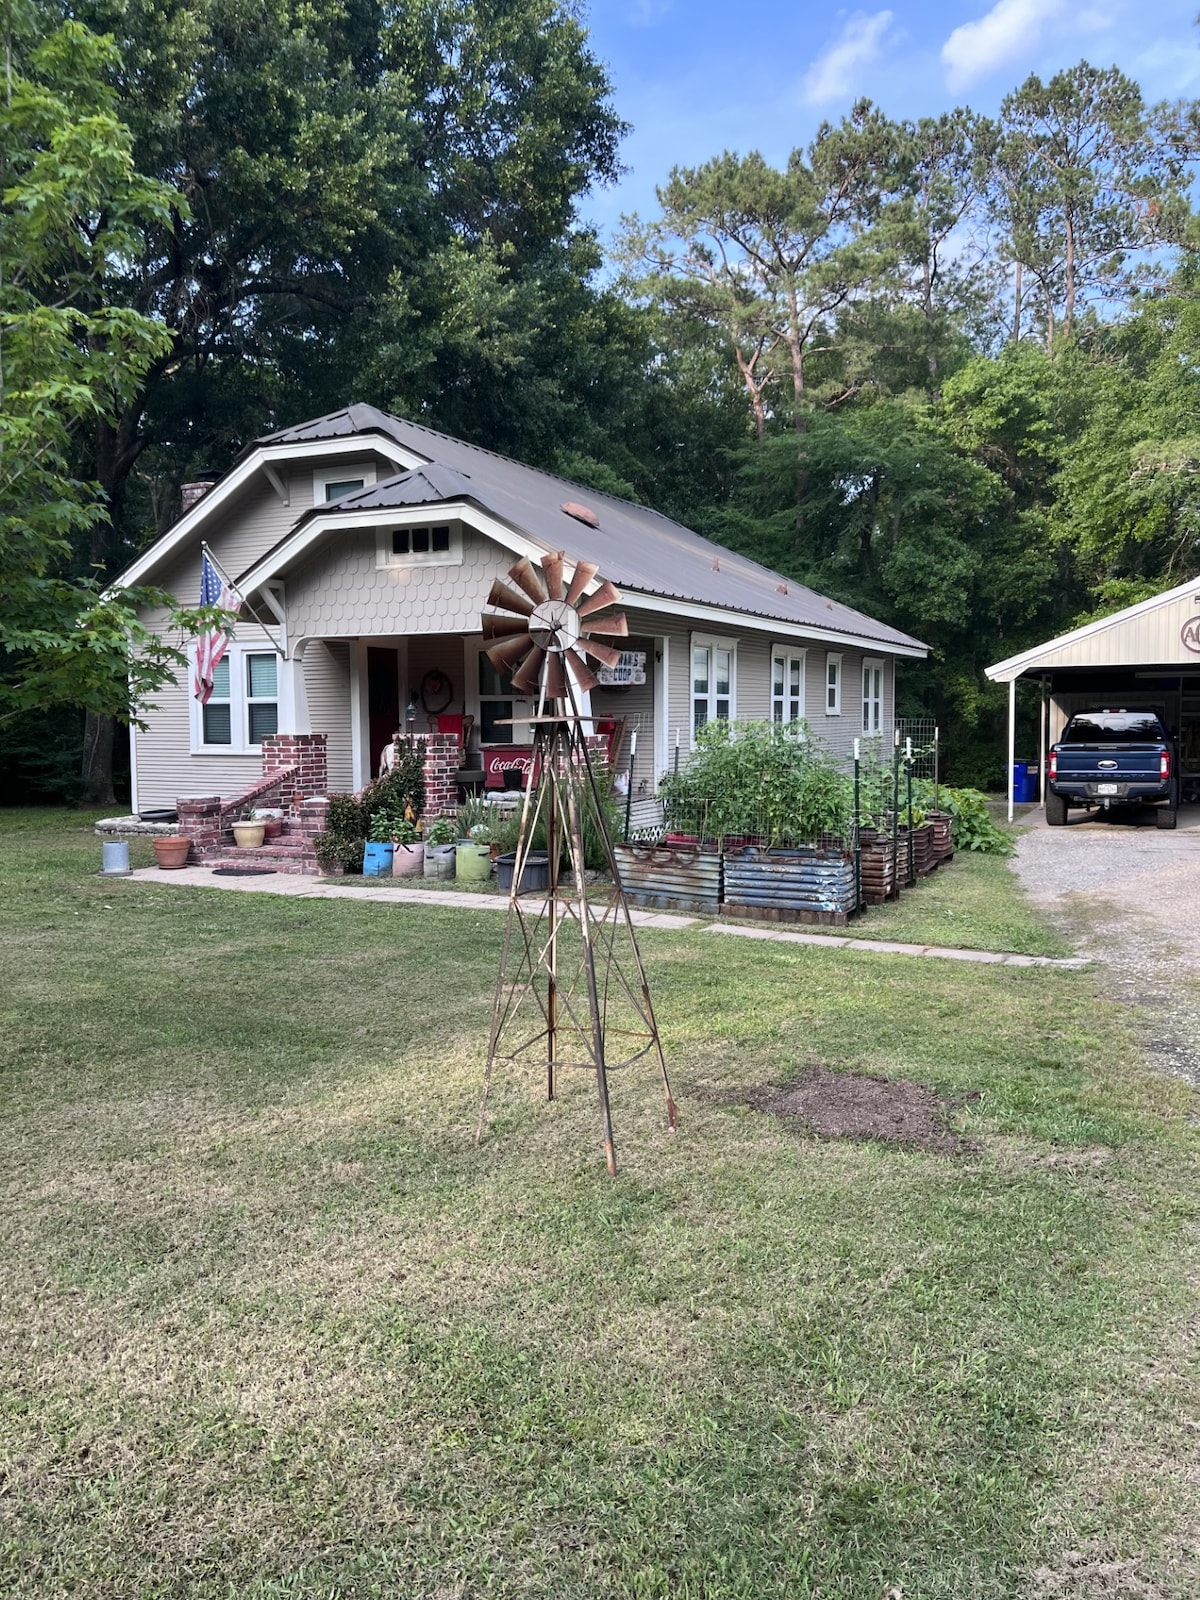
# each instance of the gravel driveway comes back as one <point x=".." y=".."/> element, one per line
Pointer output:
<point x="1128" y="894"/>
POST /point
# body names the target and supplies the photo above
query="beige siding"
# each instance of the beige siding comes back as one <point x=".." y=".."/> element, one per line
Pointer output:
<point x="1151" y="639"/>
<point x="340" y="592"/>
<point x="166" y="768"/>
<point x="327" y="685"/>
<point x="636" y="705"/>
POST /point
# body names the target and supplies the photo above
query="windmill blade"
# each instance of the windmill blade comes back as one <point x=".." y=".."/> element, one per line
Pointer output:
<point x="509" y="600"/>
<point x="605" y="595"/>
<point x="556" y="678"/>
<point x="503" y="627"/>
<point x="584" y="572"/>
<point x="602" y="652"/>
<point x="528" y="675"/>
<point x="552" y="566"/>
<point x="614" y="627"/>
<point x="509" y="652"/>
<point x="525" y="575"/>
<point x="585" y="679"/>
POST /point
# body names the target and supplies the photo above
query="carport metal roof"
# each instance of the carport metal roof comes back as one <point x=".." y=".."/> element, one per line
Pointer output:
<point x="1163" y="631"/>
<point x="1153" y="633"/>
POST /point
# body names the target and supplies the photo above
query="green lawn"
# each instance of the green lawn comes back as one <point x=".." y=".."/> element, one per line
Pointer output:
<point x="271" y="1326"/>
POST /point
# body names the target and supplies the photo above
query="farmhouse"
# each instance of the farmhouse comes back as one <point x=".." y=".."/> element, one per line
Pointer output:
<point x="364" y="548"/>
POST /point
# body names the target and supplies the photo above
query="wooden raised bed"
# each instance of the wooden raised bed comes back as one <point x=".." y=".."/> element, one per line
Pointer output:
<point x="671" y="877"/>
<point x="878" y="877"/>
<point x="943" y="835"/>
<point x="800" y="885"/>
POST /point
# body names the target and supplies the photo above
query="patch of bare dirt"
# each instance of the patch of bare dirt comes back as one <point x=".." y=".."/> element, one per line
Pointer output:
<point x="1092" y="1575"/>
<point x="845" y="1105"/>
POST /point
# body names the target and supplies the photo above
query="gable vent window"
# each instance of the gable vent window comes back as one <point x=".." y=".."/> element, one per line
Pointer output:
<point x="421" y="541"/>
<point x="438" y="545"/>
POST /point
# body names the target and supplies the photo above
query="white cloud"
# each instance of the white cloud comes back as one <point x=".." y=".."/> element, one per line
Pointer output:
<point x="835" y="74"/>
<point x="1011" y="29"/>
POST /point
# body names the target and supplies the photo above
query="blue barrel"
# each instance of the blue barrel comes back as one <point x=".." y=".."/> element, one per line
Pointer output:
<point x="1020" y="781"/>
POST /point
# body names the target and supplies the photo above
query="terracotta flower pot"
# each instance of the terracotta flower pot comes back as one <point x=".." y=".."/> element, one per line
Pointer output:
<point x="172" y="852"/>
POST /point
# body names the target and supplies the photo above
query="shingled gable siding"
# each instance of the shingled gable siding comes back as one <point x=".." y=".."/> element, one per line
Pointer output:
<point x="339" y="592"/>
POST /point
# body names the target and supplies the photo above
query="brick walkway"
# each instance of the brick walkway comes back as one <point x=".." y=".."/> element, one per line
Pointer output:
<point x="390" y="892"/>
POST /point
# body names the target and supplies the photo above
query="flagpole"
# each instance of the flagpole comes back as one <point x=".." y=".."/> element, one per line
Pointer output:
<point x="229" y="584"/>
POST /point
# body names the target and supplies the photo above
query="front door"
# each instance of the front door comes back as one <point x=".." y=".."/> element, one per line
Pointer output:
<point x="383" y="701"/>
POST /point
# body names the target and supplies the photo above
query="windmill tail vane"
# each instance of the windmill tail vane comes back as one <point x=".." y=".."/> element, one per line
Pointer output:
<point x="571" y="977"/>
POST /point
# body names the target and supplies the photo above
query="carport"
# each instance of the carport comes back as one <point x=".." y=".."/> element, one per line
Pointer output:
<point x="1147" y="656"/>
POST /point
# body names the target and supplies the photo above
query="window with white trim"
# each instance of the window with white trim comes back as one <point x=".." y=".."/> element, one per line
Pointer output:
<point x="243" y="708"/>
<point x="872" y="695"/>
<point x="331" y="483"/>
<point x="714" y="670"/>
<point x="833" y="685"/>
<point x="787" y="685"/>
<point x="437" y="544"/>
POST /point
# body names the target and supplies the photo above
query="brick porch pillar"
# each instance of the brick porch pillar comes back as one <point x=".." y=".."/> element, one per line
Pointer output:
<point x="308" y="753"/>
<point x="200" y="821"/>
<point x="443" y="757"/>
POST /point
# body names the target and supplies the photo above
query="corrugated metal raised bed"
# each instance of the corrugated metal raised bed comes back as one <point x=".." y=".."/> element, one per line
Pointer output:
<point x="671" y="877"/>
<point x="799" y="885"/>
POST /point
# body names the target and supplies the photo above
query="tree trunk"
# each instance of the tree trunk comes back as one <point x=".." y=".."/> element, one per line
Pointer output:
<point x="98" y="735"/>
<point x="1016" y="333"/>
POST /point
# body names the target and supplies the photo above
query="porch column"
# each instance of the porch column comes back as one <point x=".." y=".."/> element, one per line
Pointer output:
<point x="661" y="743"/>
<point x="1012" y="743"/>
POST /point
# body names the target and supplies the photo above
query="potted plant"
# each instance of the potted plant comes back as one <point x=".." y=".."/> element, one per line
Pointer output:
<point x="172" y="851"/>
<point x="473" y="853"/>
<point x="379" y="851"/>
<point x="248" y="833"/>
<point x="408" y="849"/>
<point x="440" y="839"/>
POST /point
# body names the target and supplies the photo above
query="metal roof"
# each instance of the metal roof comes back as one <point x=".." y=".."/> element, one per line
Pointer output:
<point x="1148" y="634"/>
<point x="634" y="546"/>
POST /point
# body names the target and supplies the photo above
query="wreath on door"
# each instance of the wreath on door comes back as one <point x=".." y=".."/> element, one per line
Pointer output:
<point x="436" y="692"/>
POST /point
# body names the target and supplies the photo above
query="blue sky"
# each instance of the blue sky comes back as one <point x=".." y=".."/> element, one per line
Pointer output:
<point x="695" y="77"/>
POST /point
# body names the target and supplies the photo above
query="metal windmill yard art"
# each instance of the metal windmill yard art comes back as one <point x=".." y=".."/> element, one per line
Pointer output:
<point x="571" y="991"/>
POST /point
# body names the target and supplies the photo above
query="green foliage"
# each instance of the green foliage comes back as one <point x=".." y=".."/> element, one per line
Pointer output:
<point x="340" y="849"/>
<point x="401" y="791"/>
<point x="440" y="831"/>
<point x="974" y="828"/>
<point x="72" y="354"/>
<point x="758" y="779"/>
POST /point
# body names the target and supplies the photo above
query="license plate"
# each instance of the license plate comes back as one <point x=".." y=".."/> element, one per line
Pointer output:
<point x="1107" y="788"/>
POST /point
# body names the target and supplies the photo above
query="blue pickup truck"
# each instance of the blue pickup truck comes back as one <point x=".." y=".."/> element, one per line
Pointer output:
<point x="1113" y="758"/>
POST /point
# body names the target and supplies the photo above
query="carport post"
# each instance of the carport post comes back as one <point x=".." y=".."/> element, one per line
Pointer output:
<point x="1012" y="743"/>
<point x="1042" y="748"/>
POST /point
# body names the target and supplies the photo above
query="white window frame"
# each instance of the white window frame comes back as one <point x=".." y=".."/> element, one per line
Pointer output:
<point x="833" y="658"/>
<point x="711" y="643"/>
<point x="385" y="556"/>
<point x="239" y="704"/>
<point x="787" y="653"/>
<point x="873" y="664"/>
<point x="345" y="473"/>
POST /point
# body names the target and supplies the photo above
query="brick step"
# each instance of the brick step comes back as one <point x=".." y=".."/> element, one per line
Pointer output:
<point x="265" y="860"/>
<point x="281" y="846"/>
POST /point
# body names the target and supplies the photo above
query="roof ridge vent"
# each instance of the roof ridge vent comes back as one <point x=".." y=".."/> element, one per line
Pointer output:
<point x="583" y="514"/>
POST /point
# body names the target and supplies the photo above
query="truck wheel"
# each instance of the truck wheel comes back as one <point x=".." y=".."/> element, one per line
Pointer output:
<point x="1165" y="816"/>
<point x="1056" y="809"/>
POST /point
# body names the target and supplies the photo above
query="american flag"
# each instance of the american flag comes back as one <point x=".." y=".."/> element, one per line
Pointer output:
<point x="210" y="647"/>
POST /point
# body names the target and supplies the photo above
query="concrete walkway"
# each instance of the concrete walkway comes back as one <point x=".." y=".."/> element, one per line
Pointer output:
<point x="386" y="891"/>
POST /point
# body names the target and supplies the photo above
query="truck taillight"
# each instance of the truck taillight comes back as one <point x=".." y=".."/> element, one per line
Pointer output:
<point x="1053" y="765"/>
<point x="1164" y="765"/>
